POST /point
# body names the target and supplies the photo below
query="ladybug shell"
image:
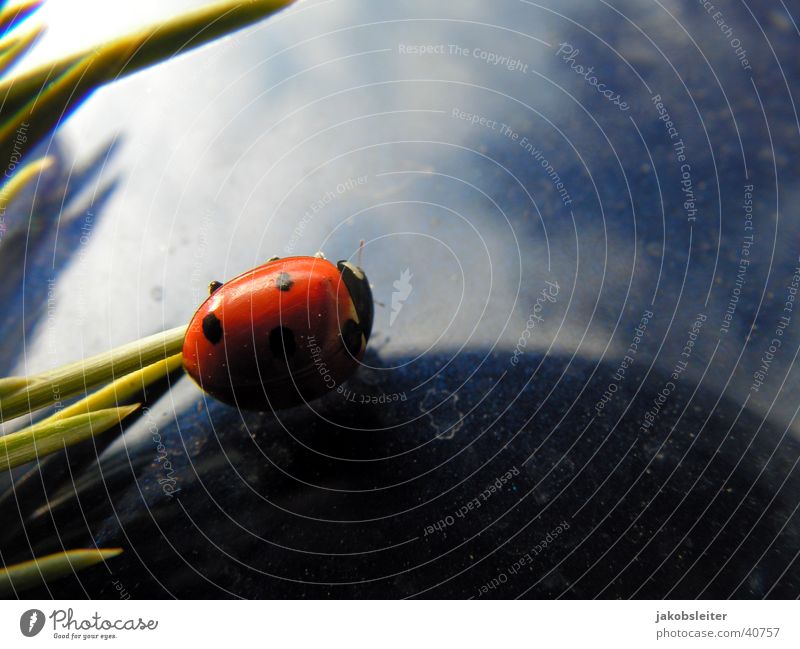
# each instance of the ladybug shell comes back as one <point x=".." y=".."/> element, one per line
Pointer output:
<point x="280" y="334"/>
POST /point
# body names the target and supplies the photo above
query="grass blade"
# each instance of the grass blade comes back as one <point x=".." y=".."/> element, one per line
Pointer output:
<point x="51" y="436"/>
<point x="45" y="111"/>
<point x="142" y="48"/>
<point x="17" y="47"/>
<point x="52" y="386"/>
<point x="123" y="388"/>
<point x="12" y="384"/>
<point x="12" y="16"/>
<point x="18" y="182"/>
<point x="51" y="567"/>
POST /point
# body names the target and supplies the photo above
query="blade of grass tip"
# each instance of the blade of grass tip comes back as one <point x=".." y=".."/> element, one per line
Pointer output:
<point x="45" y="438"/>
<point x="27" y="574"/>
<point x="54" y="385"/>
<point x="17" y="48"/>
<point x="6" y="42"/>
<point x="123" y="388"/>
<point x="144" y="47"/>
<point x="12" y="16"/>
<point x="19" y="180"/>
<point x="12" y="384"/>
<point x="45" y="111"/>
<point x="119" y="390"/>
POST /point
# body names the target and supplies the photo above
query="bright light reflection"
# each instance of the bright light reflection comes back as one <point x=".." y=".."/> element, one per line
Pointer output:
<point x="77" y="24"/>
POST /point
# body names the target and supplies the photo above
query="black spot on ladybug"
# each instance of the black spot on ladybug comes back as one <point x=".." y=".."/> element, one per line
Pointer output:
<point x="282" y="343"/>
<point x="284" y="282"/>
<point x="351" y="337"/>
<point x="212" y="328"/>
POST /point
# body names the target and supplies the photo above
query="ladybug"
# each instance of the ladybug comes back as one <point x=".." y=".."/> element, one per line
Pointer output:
<point x="280" y="334"/>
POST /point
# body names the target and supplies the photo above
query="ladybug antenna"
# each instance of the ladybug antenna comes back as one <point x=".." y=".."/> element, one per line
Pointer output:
<point x="360" y="252"/>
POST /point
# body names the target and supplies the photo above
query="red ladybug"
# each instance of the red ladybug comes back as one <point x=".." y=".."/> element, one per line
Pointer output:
<point x="281" y="334"/>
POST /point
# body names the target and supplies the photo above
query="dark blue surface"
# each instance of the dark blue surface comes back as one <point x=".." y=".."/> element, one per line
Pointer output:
<point x="354" y="499"/>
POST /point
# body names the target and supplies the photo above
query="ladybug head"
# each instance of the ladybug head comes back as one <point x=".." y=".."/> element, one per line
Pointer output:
<point x="358" y="286"/>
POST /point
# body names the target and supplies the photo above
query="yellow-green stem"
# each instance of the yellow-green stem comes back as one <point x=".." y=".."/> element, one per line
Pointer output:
<point x="27" y="574"/>
<point x="52" y="386"/>
<point x="45" y="438"/>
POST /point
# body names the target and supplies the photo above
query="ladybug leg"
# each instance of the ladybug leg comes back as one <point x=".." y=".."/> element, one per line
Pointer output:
<point x="213" y="286"/>
<point x="273" y="259"/>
